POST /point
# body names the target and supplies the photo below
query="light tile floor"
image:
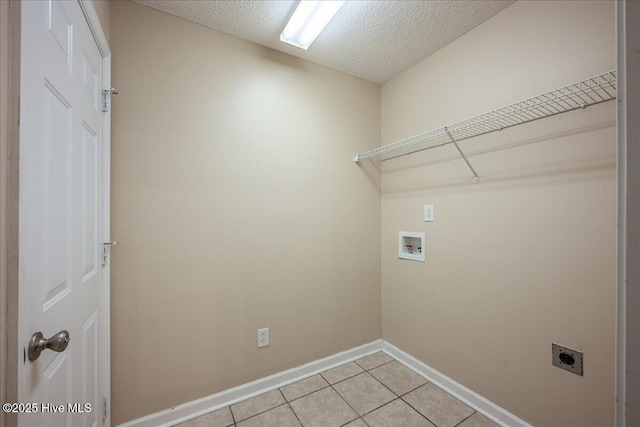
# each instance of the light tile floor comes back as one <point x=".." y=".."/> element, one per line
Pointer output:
<point x="374" y="391"/>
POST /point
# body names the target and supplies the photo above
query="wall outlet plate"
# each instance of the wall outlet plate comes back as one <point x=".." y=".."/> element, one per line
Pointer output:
<point x="566" y="358"/>
<point x="428" y="213"/>
<point x="263" y="337"/>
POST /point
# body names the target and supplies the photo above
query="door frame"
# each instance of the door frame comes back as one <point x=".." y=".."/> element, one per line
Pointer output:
<point x="9" y="147"/>
<point x="628" y="310"/>
<point x="10" y="348"/>
<point x="101" y="40"/>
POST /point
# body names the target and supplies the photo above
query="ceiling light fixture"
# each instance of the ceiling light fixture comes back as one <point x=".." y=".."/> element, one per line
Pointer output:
<point x="308" y="21"/>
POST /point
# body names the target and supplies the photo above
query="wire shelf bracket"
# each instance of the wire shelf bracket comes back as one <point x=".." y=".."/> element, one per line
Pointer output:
<point x="591" y="91"/>
<point x="476" y="178"/>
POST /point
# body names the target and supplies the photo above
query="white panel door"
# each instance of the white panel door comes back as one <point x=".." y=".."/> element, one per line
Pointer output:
<point x="61" y="216"/>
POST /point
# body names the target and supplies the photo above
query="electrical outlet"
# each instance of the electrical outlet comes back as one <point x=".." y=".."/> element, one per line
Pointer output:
<point x="428" y="213"/>
<point x="263" y="337"/>
<point x="566" y="358"/>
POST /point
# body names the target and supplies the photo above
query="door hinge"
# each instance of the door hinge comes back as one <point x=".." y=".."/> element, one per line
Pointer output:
<point x="105" y="409"/>
<point x="106" y="98"/>
<point x="106" y="251"/>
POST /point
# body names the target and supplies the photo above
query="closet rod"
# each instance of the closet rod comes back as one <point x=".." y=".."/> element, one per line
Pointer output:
<point x="591" y="91"/>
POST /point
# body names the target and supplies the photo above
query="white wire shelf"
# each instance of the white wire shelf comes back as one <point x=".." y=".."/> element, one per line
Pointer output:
<point x="582" y="94"/>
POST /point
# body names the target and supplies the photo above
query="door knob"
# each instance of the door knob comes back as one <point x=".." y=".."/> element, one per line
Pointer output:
<point x="38" y="342"/>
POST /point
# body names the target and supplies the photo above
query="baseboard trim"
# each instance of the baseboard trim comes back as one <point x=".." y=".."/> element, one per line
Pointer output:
<point x="471" y="398"/>
<point x="196" y="408"/>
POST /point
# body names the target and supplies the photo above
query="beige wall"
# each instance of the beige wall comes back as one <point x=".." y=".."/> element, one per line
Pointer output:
<point x="237" y="206"/>
<point x="528" y="256"/>
<point x="222" y="148"/>
<point x="103" y="9"/>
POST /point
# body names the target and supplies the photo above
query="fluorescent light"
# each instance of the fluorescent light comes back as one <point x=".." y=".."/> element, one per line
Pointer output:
<point x="308" y="21"/>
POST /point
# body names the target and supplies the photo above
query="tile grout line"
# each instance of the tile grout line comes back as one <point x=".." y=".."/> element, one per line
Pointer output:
<point x="377" y="366"/>
<point x="349" y="422"/>
<point x="423" y="415"/>
<point x="400" y="397"/>
<point x="375" y="409"/>
<point x="336" y="391"/>
<point x="474" y="412"/>
<point x="295" y="415"/>
<point x="304" y="395"/>
<point x="384" y="385"/>
<point x="329" y="385"/>
<point x="344" y="379"/>
<point x="345" y="401"/>
<point x="315" y="391"/>
<point x="323" y="388"/>
<point x="320" y="389"/>
<point x="277" y="406"/>
<point x="348" y="378"/>
<point x="260" y="413"/>
<point x="411" y="406"/>
<point x="291" y="407"/>
<point x="232" y="416"/>
<point x="397" y="397"/>
<point x="384" y="404"/>
<point x="422" y="385"/>
<point x="429" y="382"/>
<point x="300" y="397"/>
<point x="365" y="371"/>
<point x="414" y="389"/>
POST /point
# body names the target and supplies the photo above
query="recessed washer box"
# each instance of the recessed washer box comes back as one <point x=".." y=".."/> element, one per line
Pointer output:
<point x="411" y="245"/>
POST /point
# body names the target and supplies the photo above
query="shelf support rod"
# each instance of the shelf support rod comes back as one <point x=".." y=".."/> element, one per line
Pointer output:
<point x="476" y="179"/>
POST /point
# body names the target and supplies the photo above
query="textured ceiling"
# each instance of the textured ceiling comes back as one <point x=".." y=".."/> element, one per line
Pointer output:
<point x="374" y="40"/>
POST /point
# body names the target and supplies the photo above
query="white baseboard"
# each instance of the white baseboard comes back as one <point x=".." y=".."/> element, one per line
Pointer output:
<point x="474" y="400"/>
<point x="199" y="407"/>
